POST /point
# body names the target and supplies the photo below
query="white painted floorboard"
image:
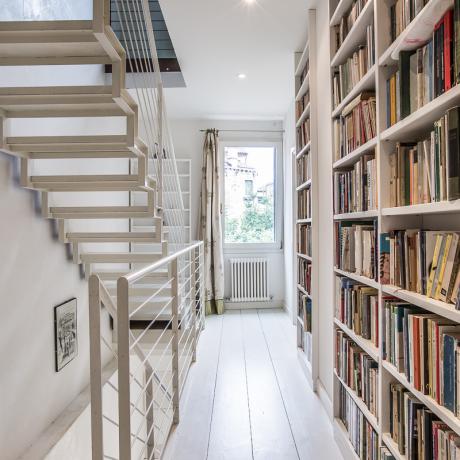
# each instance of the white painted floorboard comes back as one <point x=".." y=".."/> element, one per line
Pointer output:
<point x="246" y="397"/>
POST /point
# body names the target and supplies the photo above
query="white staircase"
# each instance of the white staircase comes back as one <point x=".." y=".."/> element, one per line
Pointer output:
<point x="114" y="223"/>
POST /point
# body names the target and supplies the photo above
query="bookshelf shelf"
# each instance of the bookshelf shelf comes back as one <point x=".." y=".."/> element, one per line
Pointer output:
<point x="341" y="436"/>
<point x="360" y="403"/>
<point x="304" y="185"/>
<point x="354" y="156"/>
<point x="303" y="116"/>
<point x="303" y="291"/>
<point x="303" y="256"/>
<point x="444" y="414"/>
<point x="422" y="120"/>
<point x="373" y="213"/>
<point x="341" y="9"/>
<point x="443" y="207"/>
<point x="366" y="345"/>
<point x="303" y="150"/>
<point x="302" y="60"/>
<point x="392" y="446"/>
<point x="356" y="35"/>
<point x="443" y="309"/>
<point x="367" y="82"/>
<point x="304" y="221"/>
<point x="304" y="87"/>
<point x="419" y="31"/>
<point x="360" y="279"/>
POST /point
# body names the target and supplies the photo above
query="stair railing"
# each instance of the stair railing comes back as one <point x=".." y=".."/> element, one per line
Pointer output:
<point x="154" y="343"/>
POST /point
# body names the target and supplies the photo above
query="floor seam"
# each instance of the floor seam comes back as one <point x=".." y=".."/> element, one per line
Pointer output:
<point x="278" y="384"/>
<point x="215" y="386"/>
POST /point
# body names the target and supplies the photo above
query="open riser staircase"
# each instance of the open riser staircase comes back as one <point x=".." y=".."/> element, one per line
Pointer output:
<point x="105" y="191"/>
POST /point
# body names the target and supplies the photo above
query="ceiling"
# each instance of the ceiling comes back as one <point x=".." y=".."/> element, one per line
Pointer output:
<point x="215" y="40"/>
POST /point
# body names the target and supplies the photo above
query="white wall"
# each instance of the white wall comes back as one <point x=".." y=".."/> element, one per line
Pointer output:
<point x="326" y="234"/>
<point x="188" y="143"/>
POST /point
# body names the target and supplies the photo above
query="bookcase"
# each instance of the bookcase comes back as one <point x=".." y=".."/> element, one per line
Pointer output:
<point x="396" y="214"/>
<point x="306" y="209"/>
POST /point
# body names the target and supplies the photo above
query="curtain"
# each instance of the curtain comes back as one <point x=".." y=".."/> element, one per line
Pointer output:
<point x="210" y="230"/>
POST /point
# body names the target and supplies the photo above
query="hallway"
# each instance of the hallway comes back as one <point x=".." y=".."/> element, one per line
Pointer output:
<point x="246" y="397"/>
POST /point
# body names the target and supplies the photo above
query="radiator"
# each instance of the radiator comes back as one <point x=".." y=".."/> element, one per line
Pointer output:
<point x="249" y="280"/>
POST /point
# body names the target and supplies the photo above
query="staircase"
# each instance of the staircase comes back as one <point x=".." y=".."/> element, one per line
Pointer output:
<point x="114" y="223"/>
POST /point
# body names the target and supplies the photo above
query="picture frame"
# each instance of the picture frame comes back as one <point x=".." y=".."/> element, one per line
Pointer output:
<point x="65" y="333"/>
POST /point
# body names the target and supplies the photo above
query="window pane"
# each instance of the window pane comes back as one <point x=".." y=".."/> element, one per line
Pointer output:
<point x="249" y="194"/>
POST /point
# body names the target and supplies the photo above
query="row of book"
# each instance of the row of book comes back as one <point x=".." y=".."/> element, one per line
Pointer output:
<point x="422" y="261"/>
<point x="304" y="171"/>
<point x="402" y="12"/>
<point x="358" y="370"/>
<point x="419" y="434"/>
<point x="356" y="190"/>
<point x="425" y="73"/>
<point x="362" y="436"/>
<point x="304" y="236"/>
<point x="304" y="340"/>
<point x="356" y="247"/>
<point x="349" y="74"/>
<point x="303" y="134"/>
<point x="304" y="204"/>
<point x="357" y="125"/>
<point x="342" y="30"/>
<point x="428" y="171"/>
<point x="426" y="349"/>
<point x="304" y="310"/>
<point x="304" y="270"/>
<point x="302" y="104"/>
<point x="357" y="307"/>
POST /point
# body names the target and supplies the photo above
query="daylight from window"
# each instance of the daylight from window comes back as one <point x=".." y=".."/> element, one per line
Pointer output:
<point x="249" y="194"/>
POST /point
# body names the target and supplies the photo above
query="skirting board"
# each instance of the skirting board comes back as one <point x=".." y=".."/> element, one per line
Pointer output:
<point x="325" y="400"/>
<point x="253" y="305"/>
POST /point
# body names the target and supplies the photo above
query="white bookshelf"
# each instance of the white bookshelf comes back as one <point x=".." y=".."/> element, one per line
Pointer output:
<point x="432" y="216"/>
<point x="308" y="355"/>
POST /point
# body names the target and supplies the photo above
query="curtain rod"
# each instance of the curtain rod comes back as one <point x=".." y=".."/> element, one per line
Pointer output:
<point x="245" y="131"/>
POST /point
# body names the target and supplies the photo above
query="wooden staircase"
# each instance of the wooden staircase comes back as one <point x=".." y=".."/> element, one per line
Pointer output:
<point x="87" y="225"/>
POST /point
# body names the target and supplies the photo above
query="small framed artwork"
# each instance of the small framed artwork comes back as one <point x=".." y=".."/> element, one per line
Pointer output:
<point x="65" y="333"/>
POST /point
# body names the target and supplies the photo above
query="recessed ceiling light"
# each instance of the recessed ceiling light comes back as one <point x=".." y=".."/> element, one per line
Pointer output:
<point x="241" y="76"/>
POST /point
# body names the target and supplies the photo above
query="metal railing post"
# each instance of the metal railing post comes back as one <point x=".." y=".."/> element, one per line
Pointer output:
<point x="97" y="444"/>
<point x="175" y="338"/>
<point x="124" y="376"/>
<point x="194" y="266"/>
<point x="149" y="405"/>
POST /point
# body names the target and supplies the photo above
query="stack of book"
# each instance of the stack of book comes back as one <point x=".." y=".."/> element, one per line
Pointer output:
<point x="358" y="370"/>
<point x="304" y="308"/>
<point x="304" y="235"/>
<point x="346" y="23"/>
<point x="357" y="306"/>
<point x="357" y="125"/>
<point x="348" y="75"/>
<point x="402" y="12"/>
<point x="423" y="261"/>
<point x="304" y="274"/>
<point x="363" y="437"/>
<point x="356" y="247"/>
<point x="303" y="134"/>
<point x="356" y="190"/>
<point x="418" y="433"/>
<point x="304" y="204"/>
<point x="302" y="104"/>
<point x="425" y="73"/>
<point x="426" y="349"/>
<point x="303" y="169"/>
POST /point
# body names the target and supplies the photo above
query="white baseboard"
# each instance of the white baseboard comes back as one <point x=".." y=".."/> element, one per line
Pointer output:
<point x="325" y="399"/>
<point x="254" y="305"/>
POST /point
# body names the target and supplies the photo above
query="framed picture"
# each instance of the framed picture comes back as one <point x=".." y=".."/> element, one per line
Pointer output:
<point x="65" y="333"/>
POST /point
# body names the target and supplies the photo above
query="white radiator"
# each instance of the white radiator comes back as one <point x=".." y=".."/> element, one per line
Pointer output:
<point x="249" y="280"/>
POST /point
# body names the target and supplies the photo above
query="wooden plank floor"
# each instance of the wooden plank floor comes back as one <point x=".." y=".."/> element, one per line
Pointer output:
<point x="246" y="397"/>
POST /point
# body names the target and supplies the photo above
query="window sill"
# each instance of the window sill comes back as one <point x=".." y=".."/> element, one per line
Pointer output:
<point x="252" y="249"/>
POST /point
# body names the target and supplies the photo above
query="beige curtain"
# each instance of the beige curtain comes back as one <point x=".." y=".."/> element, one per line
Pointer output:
<point x="210" y="230"/>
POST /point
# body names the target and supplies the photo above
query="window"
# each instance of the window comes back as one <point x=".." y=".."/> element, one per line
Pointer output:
<point x="250" y="195"/>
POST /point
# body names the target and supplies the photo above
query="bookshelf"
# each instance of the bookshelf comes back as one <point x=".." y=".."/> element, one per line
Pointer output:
<point x="305" y="173"/>
<point x="442" y="216"/>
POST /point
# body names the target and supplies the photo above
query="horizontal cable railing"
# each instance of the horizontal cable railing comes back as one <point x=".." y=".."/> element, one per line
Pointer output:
<point x="153" y="343"/>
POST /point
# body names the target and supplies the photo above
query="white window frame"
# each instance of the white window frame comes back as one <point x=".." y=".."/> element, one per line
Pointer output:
<point x="257" y="247"/>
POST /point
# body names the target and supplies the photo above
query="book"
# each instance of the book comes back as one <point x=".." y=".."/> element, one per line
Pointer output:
<point x="453" y="154"/>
